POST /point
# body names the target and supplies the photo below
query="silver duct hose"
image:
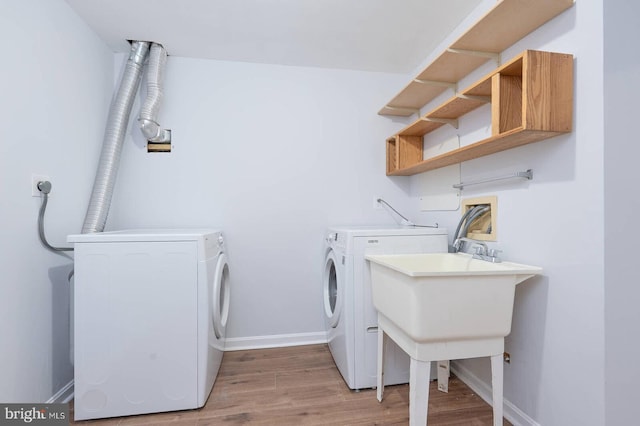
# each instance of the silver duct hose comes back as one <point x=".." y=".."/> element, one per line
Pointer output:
<point x="463" y="226"/>
<point x="478" y="211"/>
<point x="149" y="112"/>
<point x="117" y="123"/>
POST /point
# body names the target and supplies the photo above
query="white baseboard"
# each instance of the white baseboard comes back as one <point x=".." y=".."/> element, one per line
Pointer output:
<point x="64" y="395"/>
<point x="275" y="341"/>
<point x="512" y="413"/>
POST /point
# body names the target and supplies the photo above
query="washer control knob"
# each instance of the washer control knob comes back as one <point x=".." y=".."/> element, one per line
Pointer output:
<point x="220" y="240"/>
<point x="332" y="237"/>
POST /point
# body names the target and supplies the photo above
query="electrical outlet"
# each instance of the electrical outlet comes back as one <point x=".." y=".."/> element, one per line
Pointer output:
<point x="35" y="192"/>
<point x="377" y="205"/>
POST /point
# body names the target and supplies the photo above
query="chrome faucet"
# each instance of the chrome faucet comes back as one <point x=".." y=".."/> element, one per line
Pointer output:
<point x="482" y="252"/>
<point x="481" y="248"/>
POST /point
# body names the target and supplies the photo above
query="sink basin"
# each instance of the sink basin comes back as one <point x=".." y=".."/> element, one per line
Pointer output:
<point x="448" y="299"/>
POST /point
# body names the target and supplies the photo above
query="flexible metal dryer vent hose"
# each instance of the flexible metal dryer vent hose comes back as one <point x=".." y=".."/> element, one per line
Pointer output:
<point x="149" y="112"/>
<point x="117" y="123"/>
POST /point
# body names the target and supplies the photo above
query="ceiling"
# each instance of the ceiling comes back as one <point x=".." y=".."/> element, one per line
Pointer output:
<point x="370" y="35"/>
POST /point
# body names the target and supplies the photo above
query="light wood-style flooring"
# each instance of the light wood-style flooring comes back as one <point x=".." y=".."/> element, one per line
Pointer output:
<point x="302" y="386"/>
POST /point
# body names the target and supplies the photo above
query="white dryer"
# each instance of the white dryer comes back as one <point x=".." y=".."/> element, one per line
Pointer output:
<point x="350" y="318"/>
<point x="151" y="308"/>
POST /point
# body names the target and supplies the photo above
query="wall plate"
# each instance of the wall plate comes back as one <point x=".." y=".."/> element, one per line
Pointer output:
<point x="35" y="192"/>
<point x="477" y="230"/>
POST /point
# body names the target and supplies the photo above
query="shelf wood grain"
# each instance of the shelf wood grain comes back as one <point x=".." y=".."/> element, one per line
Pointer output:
<point x="506" y="23"/>
<point x="491" y="145"/>
<point x="455" y="108"/>
<point x="531" y="100"/>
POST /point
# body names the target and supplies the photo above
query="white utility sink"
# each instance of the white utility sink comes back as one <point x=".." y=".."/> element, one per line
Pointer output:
<point x="443" y="297"/>
<point x="444" y="306"/>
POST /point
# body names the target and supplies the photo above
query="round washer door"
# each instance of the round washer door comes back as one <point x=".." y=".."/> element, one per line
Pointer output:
<point x="220" y="297"/>
<point x="332" y="289"/>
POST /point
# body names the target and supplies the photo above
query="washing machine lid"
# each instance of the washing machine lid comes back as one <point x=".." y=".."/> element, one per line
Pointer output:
<point x="383" y="230"/>
<point x="344" y="235"/>
<point x="143" y="235"/>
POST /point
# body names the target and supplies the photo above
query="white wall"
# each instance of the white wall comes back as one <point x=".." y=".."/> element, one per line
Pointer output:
<point x="556" y="375"/>
<point x="56" y="82"/>
<point x="272" y="155"/>
<point x="622" y="203"/>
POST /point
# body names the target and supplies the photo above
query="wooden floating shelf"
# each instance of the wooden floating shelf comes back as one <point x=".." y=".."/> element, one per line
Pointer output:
<point x="531" y="100"/>
<point x="506" y="23"/>
<point x="502" y="142"/>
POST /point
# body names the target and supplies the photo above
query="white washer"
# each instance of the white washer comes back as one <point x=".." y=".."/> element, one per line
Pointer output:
<point x="151" y="308"/>
<point x="350" y="318"/>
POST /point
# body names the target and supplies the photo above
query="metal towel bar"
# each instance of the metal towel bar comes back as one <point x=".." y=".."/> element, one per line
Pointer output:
<point x="526" y="175"/>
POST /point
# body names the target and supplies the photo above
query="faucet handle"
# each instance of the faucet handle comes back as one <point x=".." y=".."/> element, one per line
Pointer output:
<point x="480" y="249"/>
<point x="493" y="255"/>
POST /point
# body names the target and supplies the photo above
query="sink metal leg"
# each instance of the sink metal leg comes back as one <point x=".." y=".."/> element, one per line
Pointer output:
<point x="380" y="375"/>
<point x="443" y="376"/>
<point x="497" y="377"/>
<point x="419" y="372"/>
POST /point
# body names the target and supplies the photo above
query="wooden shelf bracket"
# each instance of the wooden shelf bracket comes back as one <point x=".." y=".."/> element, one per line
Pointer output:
<point x="453" y="86"/>
<point x="490" y="55"/>
<point x="403" y="109"/>
<point x="485" y="99"/>
<point x="451" y="121"/>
